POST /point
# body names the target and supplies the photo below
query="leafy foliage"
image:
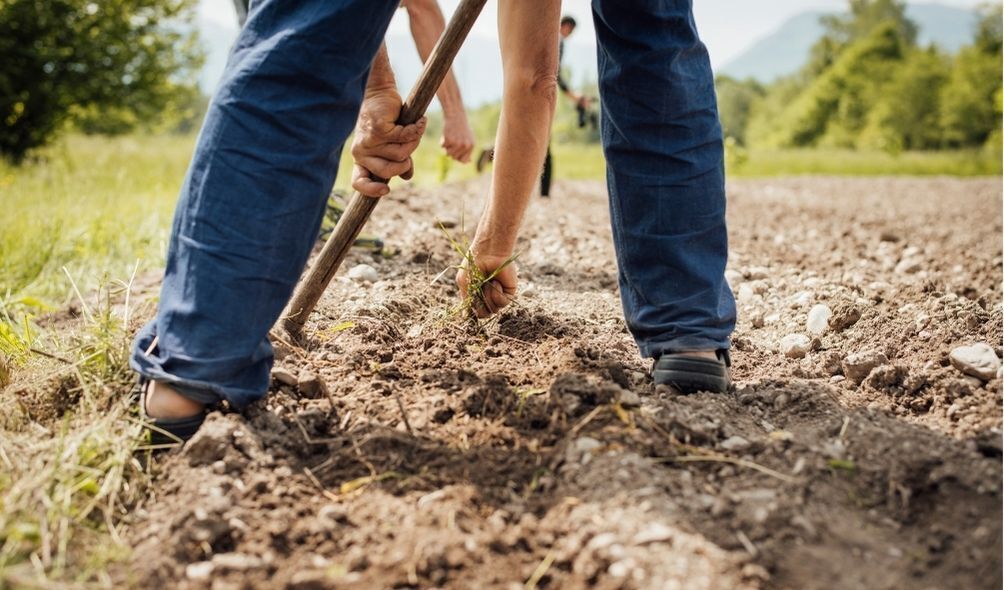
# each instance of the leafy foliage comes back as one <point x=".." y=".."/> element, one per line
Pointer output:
<point x="868" y="85"/>
<point x="109" y="65"/>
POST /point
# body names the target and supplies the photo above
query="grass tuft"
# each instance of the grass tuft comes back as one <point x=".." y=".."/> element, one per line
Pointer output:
<point x="68" y="483"/>
<point x="477" y="280"/>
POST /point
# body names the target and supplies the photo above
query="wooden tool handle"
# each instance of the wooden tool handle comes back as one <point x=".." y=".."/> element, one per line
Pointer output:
<point x="309" y="291"/>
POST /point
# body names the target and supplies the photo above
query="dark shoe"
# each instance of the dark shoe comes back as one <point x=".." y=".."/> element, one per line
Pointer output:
<point x="167" y="431"/>
<point x="690" y="374"/>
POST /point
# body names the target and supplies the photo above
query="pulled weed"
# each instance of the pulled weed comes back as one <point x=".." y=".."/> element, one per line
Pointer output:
<point x="477" y="280"/>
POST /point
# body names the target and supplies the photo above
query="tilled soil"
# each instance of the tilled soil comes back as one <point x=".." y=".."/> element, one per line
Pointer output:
<point x="537" y="453"/>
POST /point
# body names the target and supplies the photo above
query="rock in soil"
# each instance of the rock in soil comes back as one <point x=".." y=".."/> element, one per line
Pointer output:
<point x="283" y="376"/>
<point x="364" y="273"/>
<point x="818" y="319"/>
<point x="978" y="360"/>
<point x="857" y="366"/>
<point x="309" y="385"/>
<point x="795" y="346"/>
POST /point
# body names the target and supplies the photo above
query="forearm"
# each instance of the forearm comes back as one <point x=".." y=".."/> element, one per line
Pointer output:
<point x="529" y="62"/>
<point x="381" y="80"/>
<point x="427" y="25"/>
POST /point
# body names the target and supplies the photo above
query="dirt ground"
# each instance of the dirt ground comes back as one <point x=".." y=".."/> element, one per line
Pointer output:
<point x="413" y="454"/>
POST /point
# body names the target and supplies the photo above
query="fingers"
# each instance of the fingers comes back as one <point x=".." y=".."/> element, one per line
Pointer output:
<point x="364" y="183"/>
<point x="493" y="299"/>
<point x="459" y="150"/>
<point x="404" y="134"/>
<point x="383" y="168"/>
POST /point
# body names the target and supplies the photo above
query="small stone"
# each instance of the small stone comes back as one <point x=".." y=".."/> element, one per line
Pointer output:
<point x="330" y="515"/>
<point x="444" y="223"/>
<point x="752" y="571"/>
<point x="844" y="317"/>
<point x="802" y="299"/>
<point x="283" y="376"/>
<point x="628" y="399"/>
<point x="978" y="360"/>
<point x="238" y="562"/>
<point x="621" y="569"/>
<point x="909" y="266"/>
<point x="364" y="273"/>
<point x="795" y="346"/>
<point x="199" y="571"/>
<point x="757" y="273"/>
<point x="735" y="443"/>
<point x="837" y="379"/>
<point x="734" y="277"/>
<point x="601" y="541"/>
<point x="757" y="320"/>
<point x="857" y="366"/>
<point x="653" y="533"/>
<point x="587" y="444"/>
<point x="746" y="293"/>
<point x="310" y="385"/>
<point x="818" y="319"/>
<point x="309" y="580"/>
<point x="528" y="290"/>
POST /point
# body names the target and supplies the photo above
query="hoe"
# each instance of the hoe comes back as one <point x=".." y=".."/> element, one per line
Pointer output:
<point x="358" y="211"/>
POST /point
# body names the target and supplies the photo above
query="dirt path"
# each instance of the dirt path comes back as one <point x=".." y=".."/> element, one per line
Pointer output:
<point x="541" y="456"/>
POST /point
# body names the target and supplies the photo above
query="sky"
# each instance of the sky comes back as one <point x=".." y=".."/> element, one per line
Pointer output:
<point x="728" y="27"/>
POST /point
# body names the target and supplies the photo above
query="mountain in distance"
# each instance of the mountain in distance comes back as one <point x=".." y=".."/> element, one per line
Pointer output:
<point x="787" y="49"/>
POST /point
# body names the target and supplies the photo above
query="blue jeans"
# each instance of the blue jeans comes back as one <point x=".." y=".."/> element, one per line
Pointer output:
<point x="665" y="175"/>
<point x="254" y="196"/>
<point x="268" y="152"/>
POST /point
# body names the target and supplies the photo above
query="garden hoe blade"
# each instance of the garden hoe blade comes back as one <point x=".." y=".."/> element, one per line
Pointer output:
<point x="309" y="291"/>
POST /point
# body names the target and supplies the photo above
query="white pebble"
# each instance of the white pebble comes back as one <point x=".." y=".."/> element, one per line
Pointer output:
<point x="819" y="319"/>
<point x="364" y="273"/>
<point x="978" y="360"/>
<point x="200" y="570"/>
<point x="795" y="346"/>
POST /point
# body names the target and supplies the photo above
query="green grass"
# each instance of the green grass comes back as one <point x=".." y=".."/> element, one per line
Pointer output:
<point x="766" y="163"/>
<point x="95" y="206"/>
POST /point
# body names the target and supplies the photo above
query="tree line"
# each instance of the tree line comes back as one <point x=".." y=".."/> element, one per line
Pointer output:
<point x="869" y="85"/>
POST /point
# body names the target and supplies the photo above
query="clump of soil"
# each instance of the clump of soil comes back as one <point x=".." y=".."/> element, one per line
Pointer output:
<point x="539" y="454"/>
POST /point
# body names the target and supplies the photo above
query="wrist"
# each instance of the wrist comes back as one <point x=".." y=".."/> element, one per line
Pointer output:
<point x="492" y="244"/>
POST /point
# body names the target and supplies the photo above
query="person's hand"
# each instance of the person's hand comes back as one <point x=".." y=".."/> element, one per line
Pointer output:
<point x="458" y="139"/>
<point x="495" y="294"/>
<point x="382" y="149"/>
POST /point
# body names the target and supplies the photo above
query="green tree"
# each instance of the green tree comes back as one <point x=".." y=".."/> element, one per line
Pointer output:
<point x="970" y="102"/>
<point x="906" y="114"/>
<point x="834" y="108"/>
<point x="861" y="19"/>
<point x="735" y="104"/>
<point x="118" y="63"/>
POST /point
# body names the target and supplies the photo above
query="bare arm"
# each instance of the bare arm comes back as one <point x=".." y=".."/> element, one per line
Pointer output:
<point x="529" y="41"/>
<point x="382" y="148"/>
<point x="427" y="25"/>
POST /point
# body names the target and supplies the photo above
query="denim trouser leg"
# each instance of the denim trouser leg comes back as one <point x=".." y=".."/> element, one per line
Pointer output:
<point x="254" y="195"/>
<point x="663" y="145"/>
